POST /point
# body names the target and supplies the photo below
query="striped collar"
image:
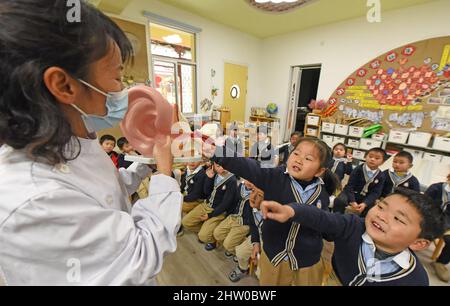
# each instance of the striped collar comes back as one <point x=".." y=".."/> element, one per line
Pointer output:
<point x="402" y="259"/>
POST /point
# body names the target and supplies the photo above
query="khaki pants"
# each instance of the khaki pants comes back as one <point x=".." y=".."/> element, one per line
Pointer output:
<point x="188" y="206"/>
<point x="333" y="280"/>
<point x="205" y="229"/>
<point x="230" y="233"/>
<point x="282" y="275"/>
<point x="244" y="253"/>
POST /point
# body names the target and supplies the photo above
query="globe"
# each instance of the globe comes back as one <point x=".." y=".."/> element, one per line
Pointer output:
<point x="272" y="109"/>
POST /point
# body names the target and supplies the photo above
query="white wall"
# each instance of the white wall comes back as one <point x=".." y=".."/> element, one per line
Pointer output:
<point x="217" y="44"/>
<point x="343" y="47"/>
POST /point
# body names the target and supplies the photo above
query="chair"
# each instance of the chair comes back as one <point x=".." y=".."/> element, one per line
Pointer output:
<point x="439" y="244"/>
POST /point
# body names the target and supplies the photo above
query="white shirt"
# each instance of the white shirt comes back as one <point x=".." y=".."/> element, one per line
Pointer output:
<point x="73" y="224"/>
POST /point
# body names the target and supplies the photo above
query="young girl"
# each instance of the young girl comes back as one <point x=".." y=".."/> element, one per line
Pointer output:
<point x="342" y="162"/>
<point x="291" y="253"/>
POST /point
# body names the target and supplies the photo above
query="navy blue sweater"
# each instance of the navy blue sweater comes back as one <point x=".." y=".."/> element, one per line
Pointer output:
<point x="346" y="231"/>
<point x="411" y="183"/>
<point x="276" y="184"/>
<point x="341" y="169"/>
<point x="436" y="192"/>
<point x="195" y="185"/>
<point x="356" y="184"/>
<point x="243" y="208"/>
<point x="224" y="200"/>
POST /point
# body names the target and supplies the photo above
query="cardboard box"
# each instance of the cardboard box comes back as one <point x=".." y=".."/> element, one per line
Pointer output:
<point x="379" y="137"/>
<point x="355" y="131"/>
<point x="368" y="143"/>
<point x="328" y="139"/>
<point x="337" y="139"/>
<point x="441" y="143"/>
<point x="353" y="143"/>
<point x="358" y="154"/>
<point x="419" y="139"/>
<point x="312" y="119"/>
<point x="341" y="129"/>
<point x="328" y="127"/>
<point x="432" y="157"/>
<point x="397" y="136"/>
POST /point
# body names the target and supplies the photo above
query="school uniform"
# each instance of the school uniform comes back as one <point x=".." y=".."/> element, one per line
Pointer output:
<point x="290" y="245"/>
<point x="393" y="180"/>
<point x="264" y="153"/>
<point x="440" y="193"/>
<point x="341" y="167"/>
<point x="354" y="260"/>
<point x="221" y="193"/>
<point x="235" y="146"/>
<point x="192" y="184"/>
<point x="364" y="185"/>
<point x="284" y="153"/>
<point x="245" y="249"/>
<point x="233" y="230"/>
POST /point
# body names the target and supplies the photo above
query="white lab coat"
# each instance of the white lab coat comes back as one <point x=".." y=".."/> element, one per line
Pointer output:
<point x="73" y="224"/>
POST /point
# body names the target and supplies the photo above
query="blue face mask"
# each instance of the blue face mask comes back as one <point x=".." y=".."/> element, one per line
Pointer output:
<point x="117" y="106"/>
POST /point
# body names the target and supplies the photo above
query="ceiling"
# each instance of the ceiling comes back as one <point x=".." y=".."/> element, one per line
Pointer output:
<point x="239" y="14"/>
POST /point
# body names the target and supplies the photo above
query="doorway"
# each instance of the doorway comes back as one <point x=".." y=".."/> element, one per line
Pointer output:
<point x="235" y="90"/>
<point x="303" y="88"/>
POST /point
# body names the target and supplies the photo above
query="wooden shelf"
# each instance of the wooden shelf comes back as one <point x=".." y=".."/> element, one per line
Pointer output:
<point x="264" y="119"/>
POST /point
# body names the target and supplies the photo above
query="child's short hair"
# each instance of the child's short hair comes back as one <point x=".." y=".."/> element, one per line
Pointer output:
<point x="107" y="137"/>
<point x="378" y="150"/>
<point x="406" y="155"/>
<point x="121" y="142"/>
<point x="340" y="144"/>
<point x="433" y="219"/>
<point x="262" y="129"/>
<point x="297" y="133"/>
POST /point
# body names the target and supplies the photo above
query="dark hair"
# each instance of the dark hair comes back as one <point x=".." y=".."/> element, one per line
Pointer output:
<point x="433" y="219"/>
<point x="377" y="150"/>
<point x="340" y="144"/>
<point x="406" y="155"/>
<point x="121" y="142"/>
<point x="262" y="129"/>
<point x="297" y="133"/>
<point x="325" y="155"/>
<point x="34" y="36"/>
<point x="107" y="137"/>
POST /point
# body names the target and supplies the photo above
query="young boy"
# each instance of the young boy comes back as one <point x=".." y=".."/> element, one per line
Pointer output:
<point x="365" y="184"/>
<point x="400" y="176"/>
<point x="233" y="142"/>
<point x="233" y="230"/>
<point x="192" y="183"/>
<point x="263" y="150"/>
<point x="221" y="188"/>
<point x="440" y="193"/>
<point x="377" y="250"/>
<point x="127" y="149"/>
<point x="108" y="143"/>
<point x="284" y="151"/>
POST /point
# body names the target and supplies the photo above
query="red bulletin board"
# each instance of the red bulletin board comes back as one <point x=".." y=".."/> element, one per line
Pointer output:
<point x="403" y="88"/>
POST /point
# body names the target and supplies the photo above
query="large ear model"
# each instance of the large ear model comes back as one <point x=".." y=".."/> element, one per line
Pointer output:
<point x="149" y="119"/>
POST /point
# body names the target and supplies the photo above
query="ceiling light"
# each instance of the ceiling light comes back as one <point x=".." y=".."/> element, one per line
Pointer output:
<point x="173" y="39"/>
<point x="278" y="6"/>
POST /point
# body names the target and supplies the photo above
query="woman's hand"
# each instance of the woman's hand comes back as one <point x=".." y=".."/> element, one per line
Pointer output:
<point x="275" y="211"/>
<point x="163" y="155"/>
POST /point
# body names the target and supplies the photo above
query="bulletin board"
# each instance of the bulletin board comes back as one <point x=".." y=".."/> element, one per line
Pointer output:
<point x="137" y="34"/>
<point x="408" y="87"/>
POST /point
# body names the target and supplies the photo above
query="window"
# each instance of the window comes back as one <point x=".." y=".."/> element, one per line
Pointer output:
<point x="175" y="65"/>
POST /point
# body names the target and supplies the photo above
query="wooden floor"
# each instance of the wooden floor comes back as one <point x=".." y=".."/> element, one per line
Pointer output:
<point x="192" y="265"/>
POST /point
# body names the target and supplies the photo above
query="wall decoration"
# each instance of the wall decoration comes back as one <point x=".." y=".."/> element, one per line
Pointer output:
<point x="403" y="86"/>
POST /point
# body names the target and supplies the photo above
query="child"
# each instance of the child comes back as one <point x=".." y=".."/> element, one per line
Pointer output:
<point x="341" y="165"/>
<point x="250" y="248"/>
<point x="291" y="253"/>
<point x="377" y="250"/>
<point x="108" y="143"/>
<point x="284" y="151"/>
<point x="192" y="183"/>
<point x="440" y="192"/>
<point x="233" y="142"/>
<point x="400" y="176"/>
<point x="127" y="149"/>
<point x="233" y="230"/>
<point x="263" y="150"/>
<point x="365" y="184"/>
<point x="221" y="188"/>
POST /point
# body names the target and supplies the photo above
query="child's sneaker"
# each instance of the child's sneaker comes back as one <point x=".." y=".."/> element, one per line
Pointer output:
<point x="237" y="275"/>
<point x="228" y="254"/>
<point x="210" y="246"/>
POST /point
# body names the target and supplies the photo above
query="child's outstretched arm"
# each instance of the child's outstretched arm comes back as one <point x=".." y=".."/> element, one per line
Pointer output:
<point x="335" y="226"/>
